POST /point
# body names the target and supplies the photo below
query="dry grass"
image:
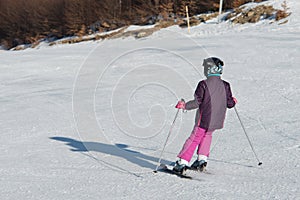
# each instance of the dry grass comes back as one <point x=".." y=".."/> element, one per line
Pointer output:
<point x="281" y="14"/>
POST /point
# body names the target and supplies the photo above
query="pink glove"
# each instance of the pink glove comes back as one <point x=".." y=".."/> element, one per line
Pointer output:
<point x="180" y="105"/>
<point x="234" y="99"/>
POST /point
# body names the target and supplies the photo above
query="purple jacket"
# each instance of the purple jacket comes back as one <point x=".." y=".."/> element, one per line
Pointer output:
<point x="212" y="97"/>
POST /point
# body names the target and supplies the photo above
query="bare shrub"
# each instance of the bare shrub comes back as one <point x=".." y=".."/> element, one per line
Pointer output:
<point x="281" y="14"/>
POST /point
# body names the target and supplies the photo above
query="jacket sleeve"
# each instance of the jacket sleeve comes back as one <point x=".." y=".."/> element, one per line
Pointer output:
<point x="199" y="93"/>
<point x="230" y="101"/>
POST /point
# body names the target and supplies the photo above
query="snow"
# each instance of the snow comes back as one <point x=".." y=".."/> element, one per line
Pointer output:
<point x="89" y="120"/>
<point x="136" y="27"/>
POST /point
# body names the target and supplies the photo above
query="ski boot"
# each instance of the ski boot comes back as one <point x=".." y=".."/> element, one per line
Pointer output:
<point x="180" y="168"/>
<point x="199" y="165"/>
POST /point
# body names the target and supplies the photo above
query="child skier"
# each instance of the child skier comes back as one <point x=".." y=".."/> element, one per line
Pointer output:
<point x="212" y="97"/>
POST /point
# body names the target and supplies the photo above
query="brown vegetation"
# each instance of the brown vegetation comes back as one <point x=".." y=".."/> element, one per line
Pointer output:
<point x="30" y="21"/>
<point x="251" y="15"/>
<point x="242" y="16"/>
<point x="281" y="14"/>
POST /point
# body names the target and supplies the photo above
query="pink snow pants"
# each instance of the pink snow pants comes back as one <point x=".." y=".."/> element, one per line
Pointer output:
<point x="199" y="138"/>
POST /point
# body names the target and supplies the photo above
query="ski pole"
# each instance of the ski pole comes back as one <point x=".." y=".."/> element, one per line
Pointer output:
<point x="170" y="131"/>
<point x="259" y="162"/>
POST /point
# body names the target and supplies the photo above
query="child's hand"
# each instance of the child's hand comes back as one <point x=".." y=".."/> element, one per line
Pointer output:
<point x="235" y="100"/>
<point x="180" y="105"/>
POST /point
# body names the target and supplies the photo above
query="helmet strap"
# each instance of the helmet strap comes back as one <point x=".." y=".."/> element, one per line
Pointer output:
<point x="209" y="75"/>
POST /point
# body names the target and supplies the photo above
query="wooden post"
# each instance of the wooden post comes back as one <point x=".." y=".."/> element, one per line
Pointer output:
<point x="188" y="18"/>
<point x="220" y="10"/>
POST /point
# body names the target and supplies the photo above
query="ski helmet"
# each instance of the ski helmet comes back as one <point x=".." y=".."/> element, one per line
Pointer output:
<point x="213" y="66"/>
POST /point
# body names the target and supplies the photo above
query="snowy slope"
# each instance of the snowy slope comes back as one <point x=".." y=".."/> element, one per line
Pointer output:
<point x="89" y="120"/>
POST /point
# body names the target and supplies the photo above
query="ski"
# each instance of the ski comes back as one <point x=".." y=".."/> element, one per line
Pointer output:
<point x="169" y="169"/>
<point x="204" y="171"/>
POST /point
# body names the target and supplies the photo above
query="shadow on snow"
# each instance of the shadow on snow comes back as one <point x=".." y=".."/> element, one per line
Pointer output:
<point x="118" y="150"/>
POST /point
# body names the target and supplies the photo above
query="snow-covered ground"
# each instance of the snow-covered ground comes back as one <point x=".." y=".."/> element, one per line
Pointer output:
<point x="89" y="120"/>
